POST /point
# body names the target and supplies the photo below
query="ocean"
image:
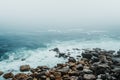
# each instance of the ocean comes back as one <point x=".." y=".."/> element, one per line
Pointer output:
<point x="33" y="48"/>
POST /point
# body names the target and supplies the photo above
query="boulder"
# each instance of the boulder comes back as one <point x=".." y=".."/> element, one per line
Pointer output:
<point x="64" y="70"/>
<point x="52" y="77"/>
<point x="74" y="73"/>
<point x="87" y="55"/>
<point x="22" y="76"/>
<point x="71" y="59"/>
<point x="101" y="69"/>
<point x="57" y="75"/>
<point x="56" y="50"/>
<point x="89" y="77"/>
<point x="1" y="73"/>
<point x="24" y="68"/>
<point x="8" y="75"/>
<point x="87" y="71"/>
<point x="79" y="67"/>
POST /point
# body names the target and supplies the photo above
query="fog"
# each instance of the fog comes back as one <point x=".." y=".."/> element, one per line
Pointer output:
<point x="32" y="15"/>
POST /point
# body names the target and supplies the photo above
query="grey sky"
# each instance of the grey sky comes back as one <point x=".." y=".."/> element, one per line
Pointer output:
<point x="37" y="14"/>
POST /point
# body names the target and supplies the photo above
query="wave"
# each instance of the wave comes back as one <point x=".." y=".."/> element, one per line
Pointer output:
<point x="42" y="56"/>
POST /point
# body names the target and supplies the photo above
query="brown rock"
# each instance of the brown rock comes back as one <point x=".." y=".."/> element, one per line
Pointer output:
<point x="74" y="73"/>
<point x="22" y="76"/>
<point x="8" y="75"/>
<point x="48" y="79"/>
<point x="57" y="74"/>
<point x="71" y="64"/>
<point x="1" y="73"/>
<point x="34" y="78"/>
<point x="24" y="68"/>
<point x="52" y="77"/>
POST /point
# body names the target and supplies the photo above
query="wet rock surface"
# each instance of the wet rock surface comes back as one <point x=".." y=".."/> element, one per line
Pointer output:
<point x="24" y="68"/>
<point x="93" y="64"/>
<point x="1" y="72"/>
<point x="8" y="75"/>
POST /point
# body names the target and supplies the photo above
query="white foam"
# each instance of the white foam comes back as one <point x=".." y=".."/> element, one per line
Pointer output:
<point x="46" y="57"/>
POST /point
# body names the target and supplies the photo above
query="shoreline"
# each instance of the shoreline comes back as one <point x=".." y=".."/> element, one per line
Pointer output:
<point x="91" y="64"/>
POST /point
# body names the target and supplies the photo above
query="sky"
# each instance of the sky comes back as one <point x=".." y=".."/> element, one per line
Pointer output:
<point x="20" y="15"/>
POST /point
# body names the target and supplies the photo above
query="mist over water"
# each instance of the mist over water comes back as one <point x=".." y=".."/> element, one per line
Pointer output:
<point x="29" y="15"/>
<point x="29" y="29"/>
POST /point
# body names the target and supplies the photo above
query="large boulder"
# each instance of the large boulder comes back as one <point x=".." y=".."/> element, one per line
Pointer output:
<point x="24" y="68"/>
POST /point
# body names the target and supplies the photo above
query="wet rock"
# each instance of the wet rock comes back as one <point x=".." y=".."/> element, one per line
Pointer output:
<point x="111" y="52"/>
<point x="87" y="71"/>
<point x="95" y="54"/>
<point x="8" y="75"/>
<point x="79" y="67"/>
<point x="94" y="59"/>
<point x="52" y="77"/>
<point x="61" y="65"/>
<point x="29" y="78"/>
<point x="1" y="72"/>
<point x="63" y="55"/>
<point x="87" y="55"/>
<point x="89" y="77"/>
<point x="43" y="77"/>
<point x="97" y="49"/>
<point x="103" y="59"/>
<point x="57" y="75"/>
<point x="24" y="68"/>
<point x="22" y="76"/>
<point x="118" y="52"/>
<point x="71" y="64"/>
<point x="103" y="66"/>
<point x="56" y="50"/>
<point x="78" y="56"/>
<point x="73" y="78"/>
<point x="33" y="70"/>
<point x="101" y="69"/>
<point x="74" y="73"/>
<point x="64" y="70"/>
<point x="99" y="79"/>
<point x="116" y="61"/>
<point x="71" y="59"/>
<point x="116" y="69"/>
<point x="103" y="76"/>
<point x="23" y="59"/>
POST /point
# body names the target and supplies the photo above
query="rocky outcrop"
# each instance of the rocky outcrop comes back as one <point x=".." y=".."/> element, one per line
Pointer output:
<point x="94" y="64"/>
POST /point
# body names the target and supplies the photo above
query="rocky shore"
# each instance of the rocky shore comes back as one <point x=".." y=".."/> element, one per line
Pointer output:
<point x="91" y="64"/>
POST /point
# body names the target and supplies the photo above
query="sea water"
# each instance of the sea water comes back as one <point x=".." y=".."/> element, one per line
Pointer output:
<point x="33" y="48"/>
